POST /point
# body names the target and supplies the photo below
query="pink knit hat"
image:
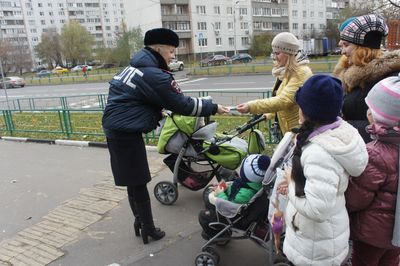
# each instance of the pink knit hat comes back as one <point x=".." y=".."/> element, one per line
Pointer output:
<point x="384" y="101"/>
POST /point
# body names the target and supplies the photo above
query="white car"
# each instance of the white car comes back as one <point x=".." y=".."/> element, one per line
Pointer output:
<point x="79" y="68"/>
<point x="12" y="82"/>
<point x="176" y="65"/>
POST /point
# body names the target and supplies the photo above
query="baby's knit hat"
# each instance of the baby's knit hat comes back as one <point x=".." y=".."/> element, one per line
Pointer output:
<point x="367" y="30"/>
<point x="253" y="167"/>
<point x="161" y="36"/>
<point x="285" y="42"/>
<point x="384" y="101"/>
<point x="321" y="97"/>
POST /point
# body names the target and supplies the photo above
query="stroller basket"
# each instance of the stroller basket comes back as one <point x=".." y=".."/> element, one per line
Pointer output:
<point x="192" y="174"/>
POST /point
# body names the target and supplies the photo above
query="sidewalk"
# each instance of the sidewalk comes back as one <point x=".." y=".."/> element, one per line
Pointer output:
<point x="60" y="207"/>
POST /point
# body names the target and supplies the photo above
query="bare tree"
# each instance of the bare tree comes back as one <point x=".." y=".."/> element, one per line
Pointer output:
<point x="15" y="54"/>
<point x="21" y="55"/>
<point x="49" y="49"/>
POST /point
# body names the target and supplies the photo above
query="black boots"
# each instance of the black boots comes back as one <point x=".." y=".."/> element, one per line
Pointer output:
<point x="144" y="224"/>
<point x="136" y="224"/>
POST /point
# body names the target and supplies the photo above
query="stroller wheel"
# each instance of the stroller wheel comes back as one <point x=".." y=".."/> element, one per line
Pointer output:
<point x="212" y="251"/>
<point x="166" y="192"/>
<point x="205" y="259"/>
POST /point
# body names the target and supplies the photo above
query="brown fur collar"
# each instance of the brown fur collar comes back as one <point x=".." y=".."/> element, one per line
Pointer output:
<point x="366" y="76"/>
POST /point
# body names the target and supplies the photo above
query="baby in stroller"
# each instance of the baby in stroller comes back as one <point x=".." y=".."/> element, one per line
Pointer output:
<point x="241" y="190"/>
<point x="228" y="220"/>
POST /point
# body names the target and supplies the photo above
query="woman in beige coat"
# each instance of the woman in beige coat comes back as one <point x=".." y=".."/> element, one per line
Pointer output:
<point x="291" y="71"/>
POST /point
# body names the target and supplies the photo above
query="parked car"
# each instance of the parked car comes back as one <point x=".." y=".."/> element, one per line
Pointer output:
<point x="60" y="70"/>
<point x="79" y="68"/>
<point x="44" y="73"/>
<point x="13" y="82"/>
<point x="215" y="60"/>
<point x="241" y="58"/>
<point x="176" y="65"/>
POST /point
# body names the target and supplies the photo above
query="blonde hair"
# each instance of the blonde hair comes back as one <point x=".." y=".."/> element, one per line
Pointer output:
<point x="291" y="66"/>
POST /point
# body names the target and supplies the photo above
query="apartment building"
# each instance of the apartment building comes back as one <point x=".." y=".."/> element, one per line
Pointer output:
<point x="24" y="21"/>
<point x="307" y="18"/>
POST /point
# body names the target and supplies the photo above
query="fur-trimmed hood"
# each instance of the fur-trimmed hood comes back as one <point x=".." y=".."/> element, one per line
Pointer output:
<point x="366" y="76"/>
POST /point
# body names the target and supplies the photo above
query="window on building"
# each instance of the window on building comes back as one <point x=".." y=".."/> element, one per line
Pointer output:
<point x="304" y="26"/>
<point x="244" y="25"/>
<point x="229" y="10"/>
<point x="312" y="26"/>
<point x="41" y="14"/>
<point x="266" y="11"/>
<point x="43" y="22"/>
<point x="257" y="11"/>
<point x="51" y="13"/>
<point x="321" y="14"/>
<point x="182" y="44"/>
<point x="201" y="9"/>
<point x="294" y="1"/>
<point x="217" y="25"/>
<point x="321" y="26"/>
<point x="203" y="42"/>
<point x="242" y="11"/>
<point x="231" y="41"/>
<point x="257" y="25"/>
<point x="202" y="25"/>
<point x="304" y="14"/>
<point x="312" y="14"/>
<point x="218" y="41"/>
<point x="49" y="5"/>
<point x="181" y="9"/>
<point x="267" y="25"/>
<point x="245" y="41"/>
<point x="295" y="26"/>
<point x="217" y="10"/>
<point x="294" y="13"/>
<point x="40" y="5"/>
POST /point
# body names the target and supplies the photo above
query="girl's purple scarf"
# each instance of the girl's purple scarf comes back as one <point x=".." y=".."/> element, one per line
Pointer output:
<point x="326" y="127"/>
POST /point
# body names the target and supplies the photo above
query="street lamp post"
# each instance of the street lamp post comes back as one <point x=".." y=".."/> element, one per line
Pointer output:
<point x="2" y="73"/>
<point x="234" y="26"/>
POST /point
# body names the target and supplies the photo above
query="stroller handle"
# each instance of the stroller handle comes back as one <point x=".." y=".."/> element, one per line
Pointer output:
<point x="257" y="119"/>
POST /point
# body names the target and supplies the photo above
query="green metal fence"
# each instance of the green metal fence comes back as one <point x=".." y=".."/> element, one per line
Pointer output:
<point x="79" y="117"/>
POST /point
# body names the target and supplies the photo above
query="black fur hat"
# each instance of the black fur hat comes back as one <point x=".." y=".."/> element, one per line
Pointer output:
<point x="161" y="36"/>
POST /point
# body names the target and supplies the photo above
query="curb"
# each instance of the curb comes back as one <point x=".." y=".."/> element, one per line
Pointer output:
<point x="63" y="142"/>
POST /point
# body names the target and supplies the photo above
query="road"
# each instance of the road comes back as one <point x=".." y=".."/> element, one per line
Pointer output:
<point x="226" y="82"/>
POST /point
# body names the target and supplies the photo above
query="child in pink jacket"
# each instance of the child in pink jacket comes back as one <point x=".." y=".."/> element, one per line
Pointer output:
<point x="371" y="198"/>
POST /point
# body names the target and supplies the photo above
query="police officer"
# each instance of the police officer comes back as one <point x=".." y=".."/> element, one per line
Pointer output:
<point x="136" y="98"/>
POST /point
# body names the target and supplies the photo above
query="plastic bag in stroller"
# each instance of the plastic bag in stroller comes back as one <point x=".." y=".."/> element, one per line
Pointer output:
<point x="197" y="153"/>
<point x="250" y="220"/>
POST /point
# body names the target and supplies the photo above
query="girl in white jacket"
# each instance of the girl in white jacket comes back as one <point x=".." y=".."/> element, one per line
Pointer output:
<point x="328" y="150"/>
